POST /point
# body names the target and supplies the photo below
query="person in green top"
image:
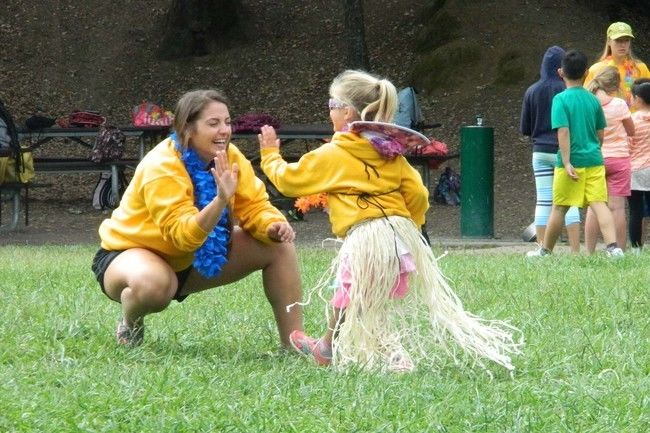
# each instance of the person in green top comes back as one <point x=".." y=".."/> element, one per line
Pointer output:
<point x="579" y="178"/>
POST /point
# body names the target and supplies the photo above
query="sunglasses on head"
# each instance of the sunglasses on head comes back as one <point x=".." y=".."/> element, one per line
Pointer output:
<point x="333" y="104"/>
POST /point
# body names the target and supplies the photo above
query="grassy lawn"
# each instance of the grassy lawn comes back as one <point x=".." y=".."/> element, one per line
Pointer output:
<point x="212" y="364"/>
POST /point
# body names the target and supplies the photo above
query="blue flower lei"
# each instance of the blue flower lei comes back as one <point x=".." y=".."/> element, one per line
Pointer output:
<point x="213" y="254"/>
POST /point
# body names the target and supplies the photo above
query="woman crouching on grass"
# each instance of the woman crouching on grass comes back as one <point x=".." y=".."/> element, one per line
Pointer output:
<point x="194" y="217"/>
<point x="391" y="303"/>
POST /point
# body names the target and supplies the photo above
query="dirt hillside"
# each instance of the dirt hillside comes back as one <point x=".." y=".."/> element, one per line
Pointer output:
<point x="64" y="55"/>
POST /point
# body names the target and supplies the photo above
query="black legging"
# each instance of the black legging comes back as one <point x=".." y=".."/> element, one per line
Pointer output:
<point x="637" y="203"/>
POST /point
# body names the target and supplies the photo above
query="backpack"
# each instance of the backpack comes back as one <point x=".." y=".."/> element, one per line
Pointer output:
<point x="448" y="189"/>
<point x="109" y="144"/>
<point x="148" y="114"/>
<point x="409" y="113"/>
<point x="15" y="165"/>
<point x="103" y="197"/>
<point x="8" y="132"/>
<point x="253" y="122"/>
<point x="435" y="148"/>
<point x="37" y="122"/>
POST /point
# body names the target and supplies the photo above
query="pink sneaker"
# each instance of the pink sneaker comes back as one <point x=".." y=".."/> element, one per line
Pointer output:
<point x="307" y="346"/>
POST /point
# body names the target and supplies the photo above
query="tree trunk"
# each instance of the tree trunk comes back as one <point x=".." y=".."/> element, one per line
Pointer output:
<point x="355" y="35"/>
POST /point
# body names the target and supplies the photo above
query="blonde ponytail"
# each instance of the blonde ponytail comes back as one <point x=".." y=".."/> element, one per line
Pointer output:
<point x="607" y="79"/>
<point x="373" y="98"/>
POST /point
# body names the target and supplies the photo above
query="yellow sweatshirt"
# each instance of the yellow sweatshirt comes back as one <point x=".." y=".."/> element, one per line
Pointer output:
<point x="346" y="168"/>
<point x="157" y="211"/>
<point x="640" y="70"/>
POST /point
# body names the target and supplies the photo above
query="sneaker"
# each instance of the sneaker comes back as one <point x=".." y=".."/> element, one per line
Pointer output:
<point x="311" y="348"/>
<point x="400" y="362"/>
<point x="539" y="252"/>
<point x="614" y="252"/>
<point x="129" y="336"/>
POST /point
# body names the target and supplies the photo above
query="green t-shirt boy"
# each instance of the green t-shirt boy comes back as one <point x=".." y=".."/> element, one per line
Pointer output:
<point x="579" y="110"/>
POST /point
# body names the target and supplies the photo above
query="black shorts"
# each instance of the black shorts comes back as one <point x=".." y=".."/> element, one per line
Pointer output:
<point x="103" y="259"/>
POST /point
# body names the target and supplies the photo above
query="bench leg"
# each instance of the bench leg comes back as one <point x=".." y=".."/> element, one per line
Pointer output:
<point x="14" y="220"/>
<point x="26" y="206"/>
<point x="141" y="149"/>
<point x="16" y="211"/>
<point x="16" y="199"/>
<point x="115" y="182"/>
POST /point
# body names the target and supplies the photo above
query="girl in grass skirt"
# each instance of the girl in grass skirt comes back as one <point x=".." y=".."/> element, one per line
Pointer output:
<point x="392" y="306"/>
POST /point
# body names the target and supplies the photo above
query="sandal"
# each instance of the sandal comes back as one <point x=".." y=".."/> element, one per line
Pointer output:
<point x="127" y="336"/>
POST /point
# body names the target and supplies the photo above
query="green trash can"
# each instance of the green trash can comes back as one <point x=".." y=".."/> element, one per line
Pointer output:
<point x="477" y="180"/>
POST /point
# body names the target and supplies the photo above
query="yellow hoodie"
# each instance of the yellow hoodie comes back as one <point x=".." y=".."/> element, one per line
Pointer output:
<point x="360" y="183"/>
<point x="629" y="72"/>
<point x="157" y="211"/>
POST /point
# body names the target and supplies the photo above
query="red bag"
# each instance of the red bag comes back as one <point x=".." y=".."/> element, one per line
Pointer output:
<point x="435" y="148"/>
<point x="81" y="119"/>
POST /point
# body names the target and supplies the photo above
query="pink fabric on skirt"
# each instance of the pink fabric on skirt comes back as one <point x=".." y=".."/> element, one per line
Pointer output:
<point x="341" y="297"/>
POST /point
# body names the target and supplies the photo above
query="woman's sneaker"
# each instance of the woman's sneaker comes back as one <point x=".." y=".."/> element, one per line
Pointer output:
<point x="307" y="346"/>
<point x="127" y="336"/>
<point x="539" y="252"/>
<point x="614" y="252"/>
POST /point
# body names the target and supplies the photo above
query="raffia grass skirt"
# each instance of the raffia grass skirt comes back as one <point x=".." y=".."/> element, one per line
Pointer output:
<point x="377" y="331"/>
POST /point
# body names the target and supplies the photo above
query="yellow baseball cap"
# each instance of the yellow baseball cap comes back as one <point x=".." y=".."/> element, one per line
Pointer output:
<point x="619" y="30"/>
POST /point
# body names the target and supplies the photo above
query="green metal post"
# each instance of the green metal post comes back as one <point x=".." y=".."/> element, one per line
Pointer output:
<point x="477" y="181"/>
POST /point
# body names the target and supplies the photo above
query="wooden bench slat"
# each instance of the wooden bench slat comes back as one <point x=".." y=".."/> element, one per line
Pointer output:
<point x="78" y="165"/>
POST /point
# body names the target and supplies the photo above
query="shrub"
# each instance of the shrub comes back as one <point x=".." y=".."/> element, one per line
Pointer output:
<point x="510" y="68"/>
<point x="440" y="29"/>
<point x="445" y="64"/>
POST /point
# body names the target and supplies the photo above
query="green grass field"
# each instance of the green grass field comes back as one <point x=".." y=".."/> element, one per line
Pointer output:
<point x="211" y="364"/>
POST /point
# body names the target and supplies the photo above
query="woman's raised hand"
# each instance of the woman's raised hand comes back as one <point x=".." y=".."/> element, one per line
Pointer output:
<point x="267" y="137"/>
<point x="225" y="176"/>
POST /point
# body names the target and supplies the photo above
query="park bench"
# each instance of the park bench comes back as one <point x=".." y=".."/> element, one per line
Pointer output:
<point x="323" y="132"/>
<point x="35" y="141"/>
<point x="146" y="137"/>
<point x="14" y="191"/>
